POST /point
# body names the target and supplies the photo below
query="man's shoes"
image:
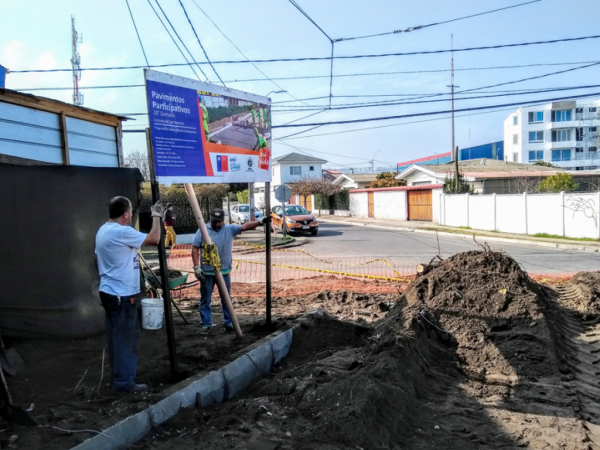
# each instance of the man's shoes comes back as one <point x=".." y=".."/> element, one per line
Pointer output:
<point x="229" y="328"/>
<point x="204" y="329"/>
<point x="132" y="388"/>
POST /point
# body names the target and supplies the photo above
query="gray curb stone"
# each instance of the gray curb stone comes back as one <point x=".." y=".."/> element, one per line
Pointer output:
<point x="215" y="387"/>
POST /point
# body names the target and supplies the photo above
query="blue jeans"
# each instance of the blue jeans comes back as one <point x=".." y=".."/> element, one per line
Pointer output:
<point x="206" y="290"/>
<point x="123" y="331"/>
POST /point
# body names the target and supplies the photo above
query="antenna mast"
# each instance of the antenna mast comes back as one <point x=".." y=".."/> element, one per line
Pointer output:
<point x="75" y="61"/>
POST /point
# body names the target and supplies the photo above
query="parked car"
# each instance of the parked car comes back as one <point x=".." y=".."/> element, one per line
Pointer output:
<point x="241" y="213"/>
<point x="297" y="218"/>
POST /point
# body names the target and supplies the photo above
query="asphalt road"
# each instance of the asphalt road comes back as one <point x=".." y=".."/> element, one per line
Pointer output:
<point x="421" y="247"/>
<point x="237" y="136"/>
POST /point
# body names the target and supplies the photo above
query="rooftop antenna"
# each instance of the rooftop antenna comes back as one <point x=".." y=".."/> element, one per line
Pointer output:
<point x="75" y="61"/>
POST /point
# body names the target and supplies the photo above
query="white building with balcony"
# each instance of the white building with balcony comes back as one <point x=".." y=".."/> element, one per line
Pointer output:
<point x="563" y="133"/>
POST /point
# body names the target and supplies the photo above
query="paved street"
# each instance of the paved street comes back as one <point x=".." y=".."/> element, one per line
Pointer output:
<point x="237" y="136"/>
<point x="419" y="247"/>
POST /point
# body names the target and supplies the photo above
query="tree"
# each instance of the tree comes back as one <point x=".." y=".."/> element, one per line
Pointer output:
<point x="386" y="179"/>
<point x="315" y="186"/>
<point x="139" y="159"/>
<point x="558" y="183"/>
<point x="457" y="185"/>
<point x="243" y="196"/>
<point x="519" y="185"/>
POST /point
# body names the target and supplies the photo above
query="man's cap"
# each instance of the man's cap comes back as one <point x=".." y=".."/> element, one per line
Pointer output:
<point x="218" y="215"/>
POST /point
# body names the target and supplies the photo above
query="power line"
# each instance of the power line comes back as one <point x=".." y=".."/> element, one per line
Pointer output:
<point x="181" y="40"/>
<point x="200" y="43"/>
<point x="242" y="53"/>
<point x="326" y="58"/>
<point x="420" y="27"/>
<point x="478" y="108"/>
<point x="293" y="2"/>
<point x="136" y="32"/>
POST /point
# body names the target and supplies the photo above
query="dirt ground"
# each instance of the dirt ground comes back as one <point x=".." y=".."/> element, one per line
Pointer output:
<point x="474" y="355"/>
<point x="67" y="384"/>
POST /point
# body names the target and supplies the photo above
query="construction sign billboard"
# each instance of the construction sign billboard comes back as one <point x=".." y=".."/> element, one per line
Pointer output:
<point x="205" y="133"/>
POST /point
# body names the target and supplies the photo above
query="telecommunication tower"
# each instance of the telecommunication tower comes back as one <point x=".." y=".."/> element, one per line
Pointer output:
<point x="75" y="61"/>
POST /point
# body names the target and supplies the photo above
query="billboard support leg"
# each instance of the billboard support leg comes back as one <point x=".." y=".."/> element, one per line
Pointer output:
<point x="162" y="258"/>
<point x="268" y="248"/>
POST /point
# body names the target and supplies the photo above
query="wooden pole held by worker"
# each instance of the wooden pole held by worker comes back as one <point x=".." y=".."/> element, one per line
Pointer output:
<point x="207" y="240"/>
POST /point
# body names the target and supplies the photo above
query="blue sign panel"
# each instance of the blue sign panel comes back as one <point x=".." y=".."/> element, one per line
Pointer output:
<point x="2" y="76"/>
<point x="176" y="135"/>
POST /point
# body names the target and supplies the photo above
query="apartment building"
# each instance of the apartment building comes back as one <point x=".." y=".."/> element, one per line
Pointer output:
<point x="563" y="133"/>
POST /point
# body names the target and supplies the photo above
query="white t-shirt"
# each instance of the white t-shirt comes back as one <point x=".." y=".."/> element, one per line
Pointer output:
<point x="118" y="261"/>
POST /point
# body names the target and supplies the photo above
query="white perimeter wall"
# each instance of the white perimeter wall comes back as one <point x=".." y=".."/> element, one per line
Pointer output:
<point x="359" y="204"/>
<point x="390" y="205"/>
<point x="570" y="215"/>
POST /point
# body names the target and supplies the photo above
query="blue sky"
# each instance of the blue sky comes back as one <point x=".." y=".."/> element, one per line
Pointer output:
<point x="37" y="35"/>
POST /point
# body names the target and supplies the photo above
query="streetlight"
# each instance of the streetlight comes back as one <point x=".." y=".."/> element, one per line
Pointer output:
<point x="274" y="92"/>
<point x="373" y="161"/>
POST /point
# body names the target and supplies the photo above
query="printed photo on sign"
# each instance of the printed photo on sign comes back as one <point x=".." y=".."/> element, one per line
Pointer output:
<point x="205" y="133"/>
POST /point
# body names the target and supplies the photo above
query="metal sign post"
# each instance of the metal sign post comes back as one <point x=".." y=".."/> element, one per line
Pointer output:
<point x="162" y="258"/>
<point x="268" y="248"/>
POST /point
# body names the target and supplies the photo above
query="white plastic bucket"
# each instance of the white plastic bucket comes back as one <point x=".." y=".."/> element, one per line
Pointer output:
<point x="152" y="313"/>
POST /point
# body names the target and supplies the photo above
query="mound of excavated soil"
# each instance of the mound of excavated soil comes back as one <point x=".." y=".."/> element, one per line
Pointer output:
<point x="492" y="308"/>
<point x="463" y="360"/>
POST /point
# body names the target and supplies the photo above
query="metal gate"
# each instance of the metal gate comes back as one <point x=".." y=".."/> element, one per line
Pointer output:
<point x="306" y="201"/>
<point x="420" y="205"/>
<point x="371" y="205"/>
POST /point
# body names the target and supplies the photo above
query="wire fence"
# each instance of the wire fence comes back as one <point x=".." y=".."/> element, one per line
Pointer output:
<point x="299" y="272"/>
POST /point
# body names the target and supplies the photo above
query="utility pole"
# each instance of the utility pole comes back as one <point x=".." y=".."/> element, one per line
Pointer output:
<point x="452" y="86"/>
<point x="75" y="63"/>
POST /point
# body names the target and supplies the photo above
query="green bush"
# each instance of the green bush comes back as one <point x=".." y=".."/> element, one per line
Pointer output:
<point x="558" y="183"/>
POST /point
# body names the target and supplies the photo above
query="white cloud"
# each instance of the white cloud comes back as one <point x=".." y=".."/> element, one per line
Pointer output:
<point x="13" y="54"/>
<point x="46" y="61"/>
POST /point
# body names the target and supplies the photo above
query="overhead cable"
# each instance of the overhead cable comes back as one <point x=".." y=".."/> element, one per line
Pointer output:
<point x="420" y="27"/>
<point x="138" y="34"/>
<point x="200" y="43"/>
<point x="325" y="58"/>
<point x="180" y="40"/>
<point x="477" y="108"/>
<point x="242" y="53"/>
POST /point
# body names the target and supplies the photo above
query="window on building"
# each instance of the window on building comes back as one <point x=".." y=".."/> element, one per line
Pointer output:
<point x="536" y="116"/>
<point x="578" y="149"/>
<point x="295" y="170"/>
<point x="561" y="135"/>
<point x="515" y="120"/>
<point x="579" y="134"/>
<point x="515" y="157"/>
<point x="536" y="136"/>
<point x="593" y="129"/>
<point x="515" y="138"/>
<point x="561" y="155"/>
<point x="566" y="155"/>
<point x="561" y="115"/>
<point x="536" y="156"/>
<point x="593" y="109"/>
<point x="578" y="110"/>
<point x="311" y="168"/>
<point x="591" y="149"/>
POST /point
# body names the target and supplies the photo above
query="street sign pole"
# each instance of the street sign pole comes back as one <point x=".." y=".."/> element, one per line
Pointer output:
<point x="268" y="248"/>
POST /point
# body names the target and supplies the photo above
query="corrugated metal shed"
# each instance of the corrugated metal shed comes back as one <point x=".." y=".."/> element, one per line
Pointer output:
<point x="38" y="130"/>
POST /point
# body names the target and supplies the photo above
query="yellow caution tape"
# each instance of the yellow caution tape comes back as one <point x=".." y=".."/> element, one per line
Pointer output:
<point x="333" y="272"/>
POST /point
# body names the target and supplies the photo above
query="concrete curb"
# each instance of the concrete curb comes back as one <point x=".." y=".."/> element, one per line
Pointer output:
<point x="216" y="387"/>
<point x="559" y="245"/>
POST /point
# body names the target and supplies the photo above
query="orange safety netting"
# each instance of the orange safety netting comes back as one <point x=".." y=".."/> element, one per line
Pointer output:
<point x="298" y="272"/>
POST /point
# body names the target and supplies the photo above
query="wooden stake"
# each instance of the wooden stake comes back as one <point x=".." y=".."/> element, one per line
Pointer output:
<point x="207" y="240"/>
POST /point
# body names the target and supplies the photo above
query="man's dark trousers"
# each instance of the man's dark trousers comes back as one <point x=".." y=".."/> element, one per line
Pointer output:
<point x="123" y="331"/>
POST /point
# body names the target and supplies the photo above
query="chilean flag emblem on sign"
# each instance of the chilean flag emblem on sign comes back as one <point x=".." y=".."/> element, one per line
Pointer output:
<point x="222" y="163"/>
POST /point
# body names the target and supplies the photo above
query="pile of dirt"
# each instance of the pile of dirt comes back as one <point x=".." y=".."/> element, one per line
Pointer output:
<point x="463" y="360"/>
<point x="492" y="308"/>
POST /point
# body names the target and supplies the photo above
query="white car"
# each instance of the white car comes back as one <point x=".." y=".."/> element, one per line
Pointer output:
<point x="241" y="213"/>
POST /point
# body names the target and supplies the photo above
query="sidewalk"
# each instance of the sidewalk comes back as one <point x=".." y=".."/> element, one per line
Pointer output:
<point x="429" y="227"/>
